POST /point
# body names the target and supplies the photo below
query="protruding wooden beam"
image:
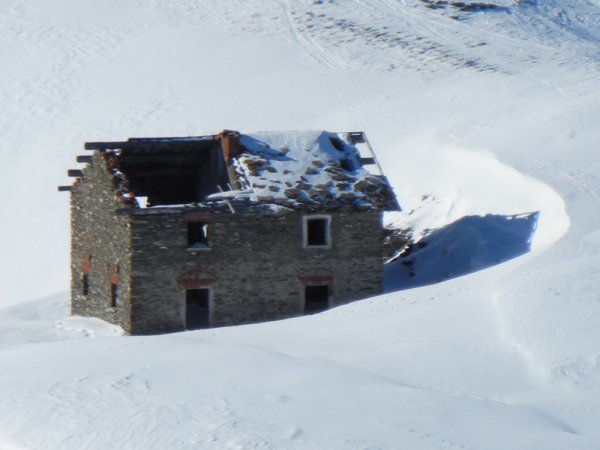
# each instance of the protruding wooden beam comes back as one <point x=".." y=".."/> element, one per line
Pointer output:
<point x="84" y="158"/>
<point x="65" y="188"/>
<point x="75" y="173"/>
<point x="356" y="137"/>
<point x="153" y="143"/>
<point x="104" y="145"/>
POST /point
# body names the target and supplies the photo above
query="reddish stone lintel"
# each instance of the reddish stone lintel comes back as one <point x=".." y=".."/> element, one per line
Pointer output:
<point x="196" y="280"/>
<point x="198" y="283"/>
<point x="199" y="216"/>
<point x="315" y="280"/>
<point x="114" y="278"/>
<point x="86" y="266"/>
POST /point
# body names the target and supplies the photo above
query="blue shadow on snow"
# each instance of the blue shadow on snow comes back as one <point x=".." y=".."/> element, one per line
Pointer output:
<point x="470" y="244"/>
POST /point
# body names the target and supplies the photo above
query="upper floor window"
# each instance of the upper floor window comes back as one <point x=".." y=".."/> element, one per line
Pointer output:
<point x="316" y="231"/>
<point x="197" y="235"/>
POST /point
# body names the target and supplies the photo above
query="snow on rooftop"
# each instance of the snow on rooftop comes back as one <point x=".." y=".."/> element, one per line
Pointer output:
<point x="310" y="169"/>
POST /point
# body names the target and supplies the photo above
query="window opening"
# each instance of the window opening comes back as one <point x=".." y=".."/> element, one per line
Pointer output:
<point x="197" y="235"/>
<point x="317" y="231"/>
<point x="316" y="298"/>
<point x="114" y="294"/>
<point x="85" y="284"/>
<point x="197" y="309"/>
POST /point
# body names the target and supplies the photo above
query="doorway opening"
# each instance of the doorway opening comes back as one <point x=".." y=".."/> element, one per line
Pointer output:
<point x="197" y="309"/>
<point x="316" y="298"/>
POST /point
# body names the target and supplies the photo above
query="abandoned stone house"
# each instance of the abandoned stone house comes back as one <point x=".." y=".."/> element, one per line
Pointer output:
<point x="171" y="234"/>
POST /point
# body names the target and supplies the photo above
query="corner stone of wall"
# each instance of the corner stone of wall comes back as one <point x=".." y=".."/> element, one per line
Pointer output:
<point x="101" y="240"/>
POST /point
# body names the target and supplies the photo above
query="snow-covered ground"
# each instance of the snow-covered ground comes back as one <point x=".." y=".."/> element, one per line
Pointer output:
<point x="486" y="123"/>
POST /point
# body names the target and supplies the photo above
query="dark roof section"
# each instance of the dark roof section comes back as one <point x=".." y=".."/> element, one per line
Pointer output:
<point x="172" y="170"/>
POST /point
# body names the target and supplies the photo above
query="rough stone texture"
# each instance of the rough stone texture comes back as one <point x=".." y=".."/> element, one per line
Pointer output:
<point x="98" y="233"/>
<point x="257" y="261"/>
<point x="256" y="264"/>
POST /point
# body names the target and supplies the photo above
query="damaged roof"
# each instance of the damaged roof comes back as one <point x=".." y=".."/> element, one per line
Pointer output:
<point x="299" y="170"/>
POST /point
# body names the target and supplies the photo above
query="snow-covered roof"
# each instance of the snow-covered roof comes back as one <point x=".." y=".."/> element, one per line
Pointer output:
<point x="309" y="170"/>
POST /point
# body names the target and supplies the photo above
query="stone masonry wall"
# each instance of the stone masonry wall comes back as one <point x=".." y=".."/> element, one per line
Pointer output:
<point x="252" y="265"/>
<point x="100" y="245"/>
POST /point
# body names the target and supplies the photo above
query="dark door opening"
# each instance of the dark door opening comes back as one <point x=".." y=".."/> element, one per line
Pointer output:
<point x="316" y="298"/>
<point x="197" y="312"/>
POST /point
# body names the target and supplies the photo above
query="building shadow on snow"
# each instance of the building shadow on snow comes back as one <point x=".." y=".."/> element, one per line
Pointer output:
<point x="470" y="244"/>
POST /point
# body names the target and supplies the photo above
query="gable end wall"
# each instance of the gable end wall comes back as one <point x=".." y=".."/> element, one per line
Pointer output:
<point x="98" y="232"/>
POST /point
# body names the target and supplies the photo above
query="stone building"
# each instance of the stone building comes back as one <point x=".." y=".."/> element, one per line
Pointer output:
<point x="171" y="234"/>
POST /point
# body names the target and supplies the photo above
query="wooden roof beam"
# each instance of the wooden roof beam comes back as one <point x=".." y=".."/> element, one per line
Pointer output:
<point x="150" y="144"/>
<point x="161" y="172"/>
<point x="104" y="145"/>
<point x="173" y="158"/>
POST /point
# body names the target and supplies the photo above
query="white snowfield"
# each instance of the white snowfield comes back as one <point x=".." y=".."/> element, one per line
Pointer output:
<point x="484" y="120"/>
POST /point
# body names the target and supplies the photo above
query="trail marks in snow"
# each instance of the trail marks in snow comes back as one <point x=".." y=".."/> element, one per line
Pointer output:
<point x="47" y="320"/>
<point x="346" y="37"/>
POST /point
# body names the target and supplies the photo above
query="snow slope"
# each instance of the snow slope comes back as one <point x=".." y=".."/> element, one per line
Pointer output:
<point x="471" y="114"/>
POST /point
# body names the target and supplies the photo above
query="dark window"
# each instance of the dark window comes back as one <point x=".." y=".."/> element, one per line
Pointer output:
<point x="317" y="232"/>
<point x="114" y="295"/>
<point x="197" y="234"/>
<point x="85" y="282"/>
<point x="197" y="313"/>
<point x="316" y="298"/>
